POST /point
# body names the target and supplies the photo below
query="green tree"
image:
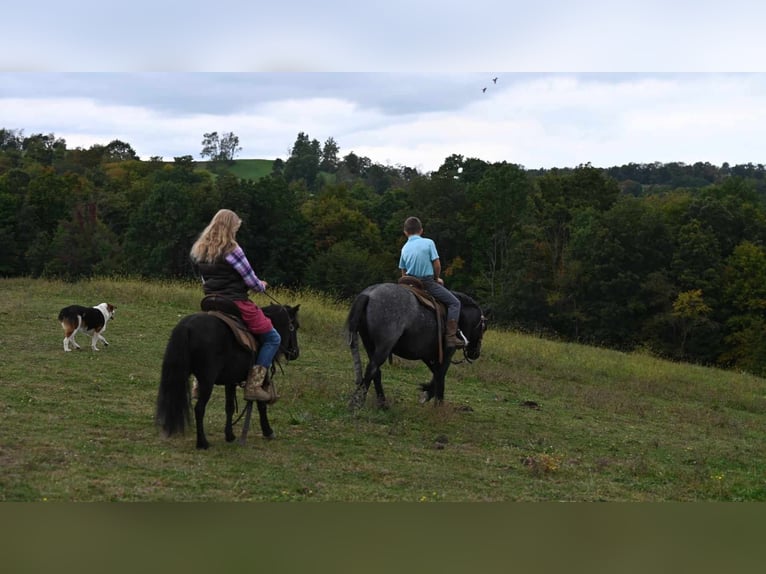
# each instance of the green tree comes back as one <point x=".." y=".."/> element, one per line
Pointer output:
<point x="689" y="311"/>
<point x="329" y="161"/>
<point x="618" y="253"/>
<point x="164" y="226"/>
<point x="280" y="235"/>
<point x="335" y="216"/>
<point x="304" y="160"/>
<point x="221" y="149"/>
<point x="494" y="220"/>
<point x="42" y="148"/>
<point x="345" y="269"/>
<point x="83" y="246"/>
<point x="745" y="296"/>
<point x="117" y="150"/>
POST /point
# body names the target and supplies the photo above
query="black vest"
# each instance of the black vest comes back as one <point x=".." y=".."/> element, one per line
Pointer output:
<point x="222" y="279"/>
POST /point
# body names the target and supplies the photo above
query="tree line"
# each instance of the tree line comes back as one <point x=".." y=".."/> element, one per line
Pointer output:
<point x="670" y="258"/>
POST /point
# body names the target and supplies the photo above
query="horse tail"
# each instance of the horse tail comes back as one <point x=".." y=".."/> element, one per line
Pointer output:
<point x="354" y="322"/>
<point x="173" y="399"/>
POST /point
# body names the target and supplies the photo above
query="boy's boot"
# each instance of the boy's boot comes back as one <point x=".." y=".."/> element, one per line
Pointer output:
<point x="254" y="390"/>
<point x="452" y="339"/>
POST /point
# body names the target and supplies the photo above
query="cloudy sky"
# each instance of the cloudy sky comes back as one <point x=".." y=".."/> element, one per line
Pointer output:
<point x="601" y="82"/>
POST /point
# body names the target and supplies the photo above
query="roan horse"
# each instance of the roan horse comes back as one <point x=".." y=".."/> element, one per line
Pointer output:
<point x="203" y="345"/>
<point x="390" y="320"/>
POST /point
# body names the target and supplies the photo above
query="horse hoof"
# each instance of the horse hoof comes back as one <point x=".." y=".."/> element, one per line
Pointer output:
<point x="271" y="436"/>
<point x="424" y="397"/>
<point x="204" y="446"/>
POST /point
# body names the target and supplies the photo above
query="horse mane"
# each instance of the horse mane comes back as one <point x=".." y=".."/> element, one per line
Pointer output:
<point x="465" y="299"/>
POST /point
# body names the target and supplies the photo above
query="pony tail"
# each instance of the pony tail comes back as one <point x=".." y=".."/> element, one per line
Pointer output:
<point x="173" y="399"/>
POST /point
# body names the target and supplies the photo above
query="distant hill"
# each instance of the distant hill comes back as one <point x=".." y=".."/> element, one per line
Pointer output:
<point x="247" y="168"/>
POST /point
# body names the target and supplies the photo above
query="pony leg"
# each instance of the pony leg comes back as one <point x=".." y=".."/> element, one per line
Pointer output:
<point x="231" y="391"/>
<point x="205" y="390"/>
<point x="427" y="392"/>
<point x="263" y="418"/>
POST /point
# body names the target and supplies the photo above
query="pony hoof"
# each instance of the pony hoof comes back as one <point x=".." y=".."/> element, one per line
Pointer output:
<point x="424" y="397"/>
<point x="271" y="436"/>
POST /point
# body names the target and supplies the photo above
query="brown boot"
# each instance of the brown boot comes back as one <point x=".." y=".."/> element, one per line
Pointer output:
<point x="254" y="390"/>
<point x="452" y="339"/>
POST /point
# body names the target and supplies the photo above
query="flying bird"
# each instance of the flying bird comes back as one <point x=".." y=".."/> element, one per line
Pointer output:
<point x="494" y="80"/>
<point x="483" y="90"/>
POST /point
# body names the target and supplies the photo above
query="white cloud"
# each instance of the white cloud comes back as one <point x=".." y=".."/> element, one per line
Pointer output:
<point x="542" y="120"/>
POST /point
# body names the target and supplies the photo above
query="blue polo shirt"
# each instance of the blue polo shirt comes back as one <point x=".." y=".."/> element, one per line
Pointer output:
<point x="417" y="256"/>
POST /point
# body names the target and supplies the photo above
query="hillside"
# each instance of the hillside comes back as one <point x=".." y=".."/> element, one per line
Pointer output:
<point x="246" y="168"/>
<point x="531" y="420"/>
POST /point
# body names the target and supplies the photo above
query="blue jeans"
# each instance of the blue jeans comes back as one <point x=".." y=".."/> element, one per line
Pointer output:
<point x="269" y="347"/>
<point x="441" y="293"/>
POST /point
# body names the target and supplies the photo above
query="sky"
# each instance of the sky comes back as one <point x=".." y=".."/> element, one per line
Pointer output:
<point x="606" y="83"/>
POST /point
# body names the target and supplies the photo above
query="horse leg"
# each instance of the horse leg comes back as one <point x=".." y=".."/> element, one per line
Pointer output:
<point x="205" y="390"/>
<point x="381" y="396"/>
<point x="231" y="391"/>
<point x="435" y="387"/>
<point x="371" y="373"/>
<point x="263" y="417"/>
<point x="440" y="375"/>
<point x="428" y="389"/>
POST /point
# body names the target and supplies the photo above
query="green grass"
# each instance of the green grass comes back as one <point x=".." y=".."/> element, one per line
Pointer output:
<point x="251" y="168"/>
<point x="610" y="426"/>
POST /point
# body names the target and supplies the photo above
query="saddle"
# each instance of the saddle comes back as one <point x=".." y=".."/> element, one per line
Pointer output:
<point x="228" y="312"/>
<point x="415" y="285"/>
<point x="424" y="297"/>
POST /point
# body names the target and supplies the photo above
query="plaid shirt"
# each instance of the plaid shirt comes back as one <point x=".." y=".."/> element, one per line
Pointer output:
<point x="238" y="260"/>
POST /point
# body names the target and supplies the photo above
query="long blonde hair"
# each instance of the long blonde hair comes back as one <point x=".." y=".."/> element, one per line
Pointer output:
<point x="218" y="238"/>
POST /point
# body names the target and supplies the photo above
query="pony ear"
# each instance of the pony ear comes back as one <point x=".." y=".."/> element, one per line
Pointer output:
<point x="295" y="309"/>
<point x="487" y="312"/>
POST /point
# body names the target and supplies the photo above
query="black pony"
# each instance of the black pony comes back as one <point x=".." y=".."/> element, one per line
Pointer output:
<point x="203" y="345"/>
<point x="391" y="320"/>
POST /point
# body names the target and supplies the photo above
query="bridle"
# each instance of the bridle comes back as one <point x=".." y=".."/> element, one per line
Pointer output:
<point x="482" y="326"/>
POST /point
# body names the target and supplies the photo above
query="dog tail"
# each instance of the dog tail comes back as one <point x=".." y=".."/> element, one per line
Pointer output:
<point x="173" y="399"/>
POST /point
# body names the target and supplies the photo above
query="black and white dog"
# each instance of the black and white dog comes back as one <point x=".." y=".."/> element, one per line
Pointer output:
<point x="89" y="320"/>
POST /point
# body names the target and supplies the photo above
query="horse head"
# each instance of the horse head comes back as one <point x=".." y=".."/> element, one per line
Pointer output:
<point x="473" y="324"/>
<point x="290" y="346"/>
<point x="285" y="321"/>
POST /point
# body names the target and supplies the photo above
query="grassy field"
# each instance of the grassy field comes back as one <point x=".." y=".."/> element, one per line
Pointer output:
<point x="246" y="168"/>
<point x="607" y="426"/>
